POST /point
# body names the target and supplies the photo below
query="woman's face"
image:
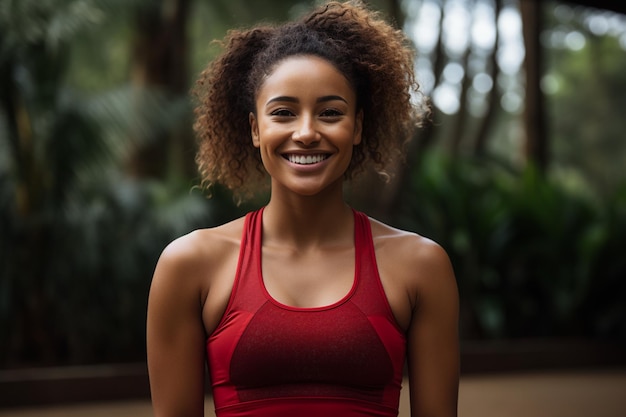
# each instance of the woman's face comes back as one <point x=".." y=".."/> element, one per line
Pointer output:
<point x="305" y="125"/>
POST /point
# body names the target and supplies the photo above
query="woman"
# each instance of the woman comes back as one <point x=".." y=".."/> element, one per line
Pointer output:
<point x="304" y="307"/>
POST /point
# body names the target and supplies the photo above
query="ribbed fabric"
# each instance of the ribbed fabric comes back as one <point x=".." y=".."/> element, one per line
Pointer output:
<point x="268" y="359"/>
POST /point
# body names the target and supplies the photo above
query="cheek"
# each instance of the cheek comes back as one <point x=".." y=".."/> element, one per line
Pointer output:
<point x="266" y="151"/>
<point x="351" y="136"/>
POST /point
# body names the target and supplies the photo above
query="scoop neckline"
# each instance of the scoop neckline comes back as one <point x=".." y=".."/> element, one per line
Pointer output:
<point x="342" y="300"/>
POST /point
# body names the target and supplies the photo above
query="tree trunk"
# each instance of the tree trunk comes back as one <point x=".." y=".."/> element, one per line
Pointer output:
<point x="392" y="193"/>
<point x="484" y="126"/>
<point x="160" y="62"/>
<point x="459" y="125"/>
<point x="395" y="12"/>
<point x="536" y="149"/>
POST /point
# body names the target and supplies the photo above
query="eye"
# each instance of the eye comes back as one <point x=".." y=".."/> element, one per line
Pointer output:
<point x="281" y="113"/>
<point x="331" y="113"/>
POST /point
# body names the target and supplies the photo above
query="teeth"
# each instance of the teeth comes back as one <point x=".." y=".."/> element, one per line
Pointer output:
<point x="306" y="160"/>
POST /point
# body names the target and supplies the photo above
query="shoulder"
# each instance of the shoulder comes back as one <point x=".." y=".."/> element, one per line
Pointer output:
<point x="417" y="263"/>
<point x="410" y="248"/>
<point x="201" y="244"/>
<point x="191" y="260"/>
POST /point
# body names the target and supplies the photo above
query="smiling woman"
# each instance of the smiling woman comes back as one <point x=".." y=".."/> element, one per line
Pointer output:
<point x="374" y="57"/>
<point x="304" y="307"/>
<point x="305" y="124"/>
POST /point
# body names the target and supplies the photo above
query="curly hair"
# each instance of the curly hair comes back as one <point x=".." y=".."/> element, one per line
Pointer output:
<point x="375" y="58"/>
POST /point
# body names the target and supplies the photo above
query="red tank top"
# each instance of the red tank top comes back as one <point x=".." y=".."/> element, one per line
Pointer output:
<point x="267" y="359"/>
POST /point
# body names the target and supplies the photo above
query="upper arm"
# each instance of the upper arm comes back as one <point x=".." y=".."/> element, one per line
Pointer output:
<point x="433" y="341"/>
<point x="175" y="335"/>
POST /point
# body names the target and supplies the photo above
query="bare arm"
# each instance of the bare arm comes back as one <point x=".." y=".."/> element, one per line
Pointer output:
<point x="175" y="334"/>
<point x="433" y="341"/>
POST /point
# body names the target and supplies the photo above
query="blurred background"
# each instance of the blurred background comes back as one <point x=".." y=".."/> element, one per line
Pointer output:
<point x="521" y="175"/>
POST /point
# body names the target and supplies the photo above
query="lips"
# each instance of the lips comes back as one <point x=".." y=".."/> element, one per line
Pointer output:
<point x="306" y="159"/>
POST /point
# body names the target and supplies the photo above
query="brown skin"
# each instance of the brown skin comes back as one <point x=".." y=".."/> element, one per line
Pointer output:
<point x="307" y="256"/>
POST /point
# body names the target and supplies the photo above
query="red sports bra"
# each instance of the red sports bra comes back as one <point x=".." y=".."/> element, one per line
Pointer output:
<point x="267" y="359"/>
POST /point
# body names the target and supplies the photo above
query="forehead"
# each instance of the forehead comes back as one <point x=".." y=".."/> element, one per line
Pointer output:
<point x="305" y="74"/>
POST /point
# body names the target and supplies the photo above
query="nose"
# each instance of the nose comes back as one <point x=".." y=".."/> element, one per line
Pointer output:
<point x="305" y="132"/>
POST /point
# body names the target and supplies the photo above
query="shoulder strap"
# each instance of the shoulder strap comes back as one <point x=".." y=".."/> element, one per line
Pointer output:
<point x="370" y="295"/>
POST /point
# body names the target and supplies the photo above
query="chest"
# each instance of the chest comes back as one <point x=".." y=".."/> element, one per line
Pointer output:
<point x="313" y="279"/>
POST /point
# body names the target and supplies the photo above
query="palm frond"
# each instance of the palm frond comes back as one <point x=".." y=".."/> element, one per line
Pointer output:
<point x="129" y="115"/>
<point x="46" y="22"/>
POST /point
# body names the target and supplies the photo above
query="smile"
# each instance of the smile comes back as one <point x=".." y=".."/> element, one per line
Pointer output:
<point x="306" y="159"/>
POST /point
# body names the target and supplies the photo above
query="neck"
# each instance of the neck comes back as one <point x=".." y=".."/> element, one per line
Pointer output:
<point x="308" y="221"/>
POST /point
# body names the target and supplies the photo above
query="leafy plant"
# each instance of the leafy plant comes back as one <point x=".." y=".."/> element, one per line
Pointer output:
<point x="78" y="239"/>
<point x="530" y="255"/>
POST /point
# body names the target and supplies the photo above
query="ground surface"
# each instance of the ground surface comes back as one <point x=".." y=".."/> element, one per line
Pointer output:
<point x="546" y="394"/>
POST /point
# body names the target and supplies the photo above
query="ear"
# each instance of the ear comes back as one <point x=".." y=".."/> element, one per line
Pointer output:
<point x="358" y="128"/>
<point x="254" y="130"/>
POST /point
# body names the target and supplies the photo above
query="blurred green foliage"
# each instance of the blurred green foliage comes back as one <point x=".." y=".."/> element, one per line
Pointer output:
<point x="533" y="257"/>
<point x="585" y="101"/>
<point x="78" y="238"/>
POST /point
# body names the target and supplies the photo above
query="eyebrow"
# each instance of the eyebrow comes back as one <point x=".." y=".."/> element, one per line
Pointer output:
<point x="295" y="100"/>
